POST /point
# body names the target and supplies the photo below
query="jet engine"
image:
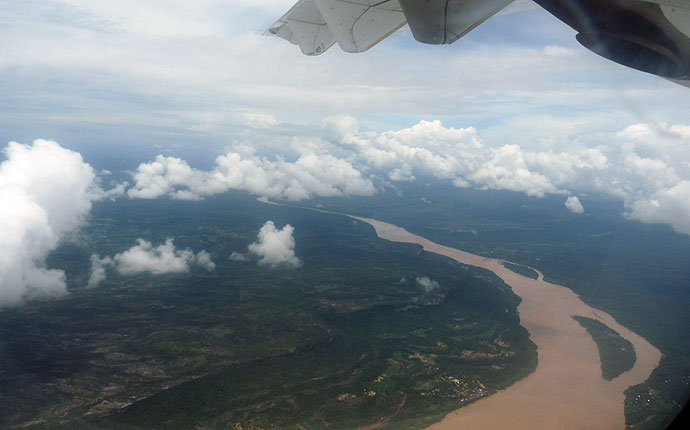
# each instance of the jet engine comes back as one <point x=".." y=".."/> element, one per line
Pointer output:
<point x="648" y="36"/>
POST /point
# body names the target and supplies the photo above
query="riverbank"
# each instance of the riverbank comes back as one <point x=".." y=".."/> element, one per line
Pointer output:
<point x="567" y="389"/>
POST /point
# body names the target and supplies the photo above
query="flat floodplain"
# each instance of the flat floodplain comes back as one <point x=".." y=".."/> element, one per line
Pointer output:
<point x="567" y="389"/>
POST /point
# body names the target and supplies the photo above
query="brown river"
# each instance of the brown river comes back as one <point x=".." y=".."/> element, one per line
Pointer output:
<point x="567" y="390"/>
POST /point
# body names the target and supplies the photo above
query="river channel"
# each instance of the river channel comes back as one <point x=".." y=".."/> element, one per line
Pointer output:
<point x="567" y="390"/>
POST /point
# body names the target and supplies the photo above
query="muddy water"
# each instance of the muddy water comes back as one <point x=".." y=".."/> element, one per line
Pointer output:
<point x="567" y="390"/>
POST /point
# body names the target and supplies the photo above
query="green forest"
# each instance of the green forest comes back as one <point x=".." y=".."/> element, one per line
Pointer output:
<point x="349" y="339"/>
<point x="639" y="273"/>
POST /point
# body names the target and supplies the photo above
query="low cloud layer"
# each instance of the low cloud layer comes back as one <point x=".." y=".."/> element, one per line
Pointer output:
<point x="646" y="166"/>
<point x="275" y="247"/>
<point x="145" y="258"/>
<point x="46" y="192"/>
<point x="310" y="175"/>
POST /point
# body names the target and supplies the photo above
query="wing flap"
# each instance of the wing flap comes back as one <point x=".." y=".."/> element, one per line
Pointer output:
<point x="304" y="26"/>
<point x="357" y="25"/>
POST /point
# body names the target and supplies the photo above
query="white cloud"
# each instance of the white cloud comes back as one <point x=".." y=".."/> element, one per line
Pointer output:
<point x="275" y="247"/>
<point x="118" y="190"/>
<point x="98" y="270"/>
<point x="145" y="258"/>
<point x="647" y="166"/>
<point x="164" y="258"/>
<point x="643" y="165"/>
<point x="203" y="259"/>
<point x="153" y="18"/>
<point x="259" y="120"/>
<point x="310" y="175"/>
<point x="205" y="63"/>
<point x="667" y="205"/>
<point x="426" y="284"/>
<point x="339" y="126"/>
<point x="46" y="192"/>
<point x="161" y="177"/>
<point x="459" y="155"/>
<point x="507" y="169"/>
<point x="573" y="204"/>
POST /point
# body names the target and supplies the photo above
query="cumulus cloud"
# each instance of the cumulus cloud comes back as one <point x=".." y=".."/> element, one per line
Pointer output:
<point x="145" y="258"/>
<point x="275" y="247"/>
<point x="203" y="259"/>
<point x="118" y="190"/>
<point x="46" y="191"/>
<point x="643" y="165"/>
<point x="666" y="205"/>
<point x="459" y="155"/>
<point x="426" y="284"/>
<point x="310" y="175"/>
<point x="647" y="166"/>
<point x="573" y="204"/>
<point x="339" y="126"/>
<point x="427" y="147"/>
<point x="98" y="270"/>
<point x="507" y="169"/>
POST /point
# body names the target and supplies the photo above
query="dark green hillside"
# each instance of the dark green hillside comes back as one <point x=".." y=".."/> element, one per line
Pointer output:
<point x="346" y="340"/>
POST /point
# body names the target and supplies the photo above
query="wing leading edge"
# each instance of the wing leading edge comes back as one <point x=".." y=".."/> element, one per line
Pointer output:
<point x="358" y="25"/>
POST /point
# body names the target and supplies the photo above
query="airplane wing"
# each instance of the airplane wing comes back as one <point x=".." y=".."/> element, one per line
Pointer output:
<point x="304" y="26"/>
<point x="647" y="35"/>
<point x="357" y="25"/>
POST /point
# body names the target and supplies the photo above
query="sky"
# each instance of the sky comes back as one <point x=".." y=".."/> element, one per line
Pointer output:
<point x="178" y="99"/>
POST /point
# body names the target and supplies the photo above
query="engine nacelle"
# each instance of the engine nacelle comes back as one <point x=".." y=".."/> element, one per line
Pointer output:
<point x="637" y="34"/>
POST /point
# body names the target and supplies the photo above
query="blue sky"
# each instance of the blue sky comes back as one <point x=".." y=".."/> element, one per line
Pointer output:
<point x="122" y="82"/>
<point x="167" y="72"/>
